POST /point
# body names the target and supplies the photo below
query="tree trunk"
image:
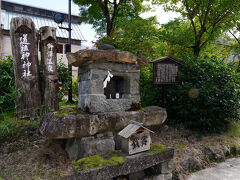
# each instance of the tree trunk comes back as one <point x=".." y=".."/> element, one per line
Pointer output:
<point x="110" y="29"/>
<point x="196" y="50"/>
<point x="25" y="58"/>
<point x="48" y="48"/>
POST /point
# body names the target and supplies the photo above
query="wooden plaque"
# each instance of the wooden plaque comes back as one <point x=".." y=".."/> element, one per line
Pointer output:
<point x="165" y="71"/>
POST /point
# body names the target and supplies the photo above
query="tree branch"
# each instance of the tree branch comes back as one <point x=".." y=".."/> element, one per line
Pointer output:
<point x="234" y="37"/>
<point x="191" y="18"/>
<point x="214" y="26"/>
<point x="203" y="24"/>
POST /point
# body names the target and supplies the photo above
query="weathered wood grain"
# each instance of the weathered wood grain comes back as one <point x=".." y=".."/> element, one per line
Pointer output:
<point x="25" y="57"/>
<point x="48" y="48"/>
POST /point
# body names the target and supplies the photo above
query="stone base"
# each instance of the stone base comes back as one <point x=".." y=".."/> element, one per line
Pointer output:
<point x="84" y="125"/>
<point x="88" y="146"/>
<point x="134" y="167"/>
<point x="98" y="103"/>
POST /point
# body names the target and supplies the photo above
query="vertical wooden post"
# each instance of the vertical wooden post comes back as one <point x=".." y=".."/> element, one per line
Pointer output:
<point x="25" y="58"/>
<point x="164" y="95"/>
<point x="48" y="48"/>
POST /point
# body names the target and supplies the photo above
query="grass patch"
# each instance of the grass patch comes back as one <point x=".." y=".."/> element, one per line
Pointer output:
<point x="111" y="158"/>
<point x="234" y="128"/>
<point x="64" y="105"/>
<point x="65" y="109"/>
<point x="156" y="147"/>
<point x="11" y="127"/>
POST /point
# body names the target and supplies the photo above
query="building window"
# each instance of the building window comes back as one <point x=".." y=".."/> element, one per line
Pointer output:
<point x="60" y="48"/>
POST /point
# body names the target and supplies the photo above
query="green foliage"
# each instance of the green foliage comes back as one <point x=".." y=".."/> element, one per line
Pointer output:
<point x="12" y="128"/>
<point x="7" y="84"/>
<point x="64" y="79"/>
<point x="106" y="15"/>
<point x="150" y="93"/>
<point x="206" y="97"/>
<point x="111" y="158"/>
<point x="138" y="36"/>
<point x="234" y="129"/>
<point x="207" y="19"/>
<point x="75" y="87"/>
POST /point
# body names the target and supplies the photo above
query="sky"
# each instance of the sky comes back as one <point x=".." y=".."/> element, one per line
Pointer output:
<point x="87" y="30"/>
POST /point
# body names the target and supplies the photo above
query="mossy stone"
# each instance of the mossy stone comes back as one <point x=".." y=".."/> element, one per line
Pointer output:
<point x="111" y="158"/>
<point x="156" y="148"/>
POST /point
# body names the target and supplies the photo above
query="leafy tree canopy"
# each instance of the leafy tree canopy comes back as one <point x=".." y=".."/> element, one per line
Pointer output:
<point x="206" y="18"/>
<point x="137" y="35"/>
<point x="104" y="15"/>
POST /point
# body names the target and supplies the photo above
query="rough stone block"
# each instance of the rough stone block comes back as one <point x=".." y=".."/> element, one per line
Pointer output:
<point x="162" y="168"/>
<point x="98" y="103"/>
<point x="136" y="176"/>
<point x="88" y="146"/>
<point x="83" y="57"/>
<point x="84" y="125"/>
<point x="159" y="177"/>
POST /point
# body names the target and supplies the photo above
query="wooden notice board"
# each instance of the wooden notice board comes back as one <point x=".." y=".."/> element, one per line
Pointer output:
<point x="165" y="71"/>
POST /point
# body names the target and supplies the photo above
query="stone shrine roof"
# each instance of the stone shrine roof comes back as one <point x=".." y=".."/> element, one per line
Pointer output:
<point x="84" y="57"/>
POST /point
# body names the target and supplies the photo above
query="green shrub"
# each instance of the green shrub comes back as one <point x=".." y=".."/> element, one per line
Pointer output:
<point x="7" y="84"/>
<point x="205" y="99"/>
<point x="75" y="87"/>
<point x="64" y="78"/>
<point x="11" y="128"/>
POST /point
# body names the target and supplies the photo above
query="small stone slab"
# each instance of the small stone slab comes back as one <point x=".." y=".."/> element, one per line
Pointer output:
<point x="84" y="57"/>
<point x="132" y="164"/>
<point x="84" y="125"/>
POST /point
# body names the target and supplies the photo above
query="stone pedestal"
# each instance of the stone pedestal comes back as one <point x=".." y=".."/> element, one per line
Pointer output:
<point x="59" y="125"/>
<point x="135" y="167"/>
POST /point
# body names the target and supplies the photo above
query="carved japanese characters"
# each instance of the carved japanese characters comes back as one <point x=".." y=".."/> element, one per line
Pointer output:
<point x="24" y="49"/>
<point x="48" y="48"/>
<point x="135" y="138"/>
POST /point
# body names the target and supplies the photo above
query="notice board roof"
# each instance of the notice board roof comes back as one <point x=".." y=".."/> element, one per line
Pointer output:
<point x="166" y="59"/>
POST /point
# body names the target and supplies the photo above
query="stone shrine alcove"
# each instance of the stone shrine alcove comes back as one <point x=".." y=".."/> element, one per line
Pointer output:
<point x="117" y="88"/>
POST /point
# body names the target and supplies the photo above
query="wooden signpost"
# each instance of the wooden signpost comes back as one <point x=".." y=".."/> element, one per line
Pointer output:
<point x="165" y="71"/>
<point x="48" y="48"/>
<point x="25" y="59"/>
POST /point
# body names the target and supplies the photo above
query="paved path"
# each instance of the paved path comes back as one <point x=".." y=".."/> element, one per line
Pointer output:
<point x="229" y="170"/>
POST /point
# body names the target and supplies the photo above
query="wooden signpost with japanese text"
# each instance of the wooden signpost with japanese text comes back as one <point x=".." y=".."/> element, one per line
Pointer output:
<point x="48" y="48"/>
<point x="165" y="71"/>
<point x="25" y="59"/>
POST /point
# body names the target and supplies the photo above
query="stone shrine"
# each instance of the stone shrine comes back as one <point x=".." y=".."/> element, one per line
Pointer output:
<point x="109" y="100"/>
<point x="96" y="67"/>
